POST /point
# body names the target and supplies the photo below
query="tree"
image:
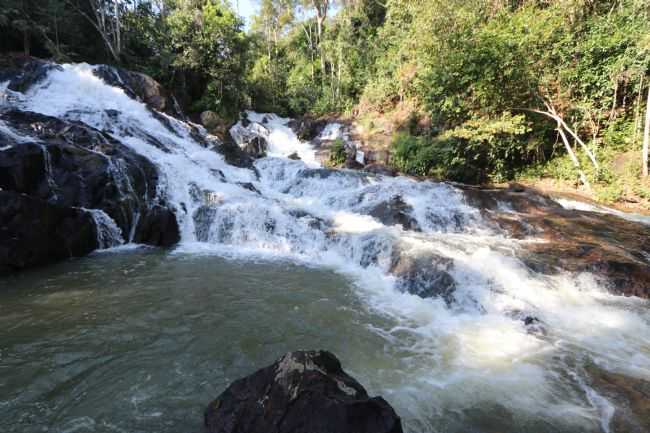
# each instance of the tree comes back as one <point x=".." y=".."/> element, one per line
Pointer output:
<point x="106" y="17"/>
<point x="209" y="44"/>
<point x="646" y="138"/>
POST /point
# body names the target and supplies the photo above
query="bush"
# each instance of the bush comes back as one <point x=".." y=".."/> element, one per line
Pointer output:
<point x="338" y="153"/>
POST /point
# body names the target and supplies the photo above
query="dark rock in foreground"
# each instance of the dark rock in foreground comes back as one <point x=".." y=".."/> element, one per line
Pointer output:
<point x="303" y="392"/>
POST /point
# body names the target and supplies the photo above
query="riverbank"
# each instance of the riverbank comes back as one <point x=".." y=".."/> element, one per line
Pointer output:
<point x="618" y="184"/>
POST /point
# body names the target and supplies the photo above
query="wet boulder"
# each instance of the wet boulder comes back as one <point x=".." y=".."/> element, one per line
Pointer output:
<point x="233" y="154"/>
<point x="158" y="226"/>
<point x="256" y="147"/>
<point x="615" y="250"/>
<point x="141" y="87"/>
<point x="395" y="212"/>
<point x="71" y="164"/>
<point x="302" y="392"/>
<point x="31" y="71"/>
<point x="64" y="167"/>
<point x="251" y="137"/>
<point x="34" y="232"/>
<point x="425" y="275"/>
<point x="214" y="124"/>
<point x="308" y="128"/>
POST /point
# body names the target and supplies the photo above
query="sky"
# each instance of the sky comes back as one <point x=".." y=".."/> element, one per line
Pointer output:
<point x="247" y="8"/>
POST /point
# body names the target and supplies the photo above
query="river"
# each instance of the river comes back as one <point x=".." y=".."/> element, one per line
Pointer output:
<point x="291" y="256"/>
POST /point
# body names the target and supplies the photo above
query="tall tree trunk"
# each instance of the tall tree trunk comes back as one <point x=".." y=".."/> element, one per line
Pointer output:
<point x="118" y="30"/>
<point x="572" y="155"/>
<point x="27" y="42"/>
<point x="646" y="137"/>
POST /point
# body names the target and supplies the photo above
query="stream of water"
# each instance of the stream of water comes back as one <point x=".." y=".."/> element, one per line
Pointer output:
<point x="141" y="339"/>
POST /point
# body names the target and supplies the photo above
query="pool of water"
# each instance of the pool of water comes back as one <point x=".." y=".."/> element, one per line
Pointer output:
<point x="141" y="340"/>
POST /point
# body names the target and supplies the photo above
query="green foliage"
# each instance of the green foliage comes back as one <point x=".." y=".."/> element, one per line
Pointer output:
<point x="338" y="154"/>
<point x="477" y="151"/>
<point x="209" y="41"/>
<point x="479" y="71"/>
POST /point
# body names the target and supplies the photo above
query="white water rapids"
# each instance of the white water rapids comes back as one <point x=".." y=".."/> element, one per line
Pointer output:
<point x="452" y="357"/>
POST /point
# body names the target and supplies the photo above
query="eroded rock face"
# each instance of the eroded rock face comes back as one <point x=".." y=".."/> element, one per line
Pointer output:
<point x="610" y="247"/>
<point x="141" y="87"/>
<point x="302" y="392"/>
<point x="35" y="232"/>
<point x="70" y="165"/>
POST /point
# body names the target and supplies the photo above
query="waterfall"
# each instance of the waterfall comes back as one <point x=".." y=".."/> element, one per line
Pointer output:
<point x="365" y="226"/>
<point x="108" y="233"/>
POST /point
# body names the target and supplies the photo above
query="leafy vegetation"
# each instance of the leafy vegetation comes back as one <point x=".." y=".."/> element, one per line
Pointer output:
<point x="338" y="154"/>
<point x="487" y="90"/>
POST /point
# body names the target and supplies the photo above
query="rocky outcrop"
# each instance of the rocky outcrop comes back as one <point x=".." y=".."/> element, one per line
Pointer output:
<point x="302" y="392"/>
<point x="251" y="137"/>
<point x="615" y="249"/>
<point x="308" y="128"/>
<point x="395" y="212"/>
<point x="140" y="87"/>
<point x="70" y="165"/>
<point x="35" y="232"/>
<point x="214" y="124"/>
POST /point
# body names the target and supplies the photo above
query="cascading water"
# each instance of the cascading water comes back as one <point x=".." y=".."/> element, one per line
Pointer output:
<point x="108" y="233"/>
<point x="455" y="354"/>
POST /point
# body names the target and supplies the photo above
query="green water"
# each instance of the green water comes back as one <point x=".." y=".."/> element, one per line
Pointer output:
<point x="143" y="340"/>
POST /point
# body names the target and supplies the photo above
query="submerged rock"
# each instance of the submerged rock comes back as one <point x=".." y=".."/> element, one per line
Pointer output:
<point x="302" y="392"/>
<point x="629" y="395"/>
<point x="395" y="212"/>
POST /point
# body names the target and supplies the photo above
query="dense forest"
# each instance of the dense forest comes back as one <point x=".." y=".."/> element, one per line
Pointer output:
<point x="477" y="90"/>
